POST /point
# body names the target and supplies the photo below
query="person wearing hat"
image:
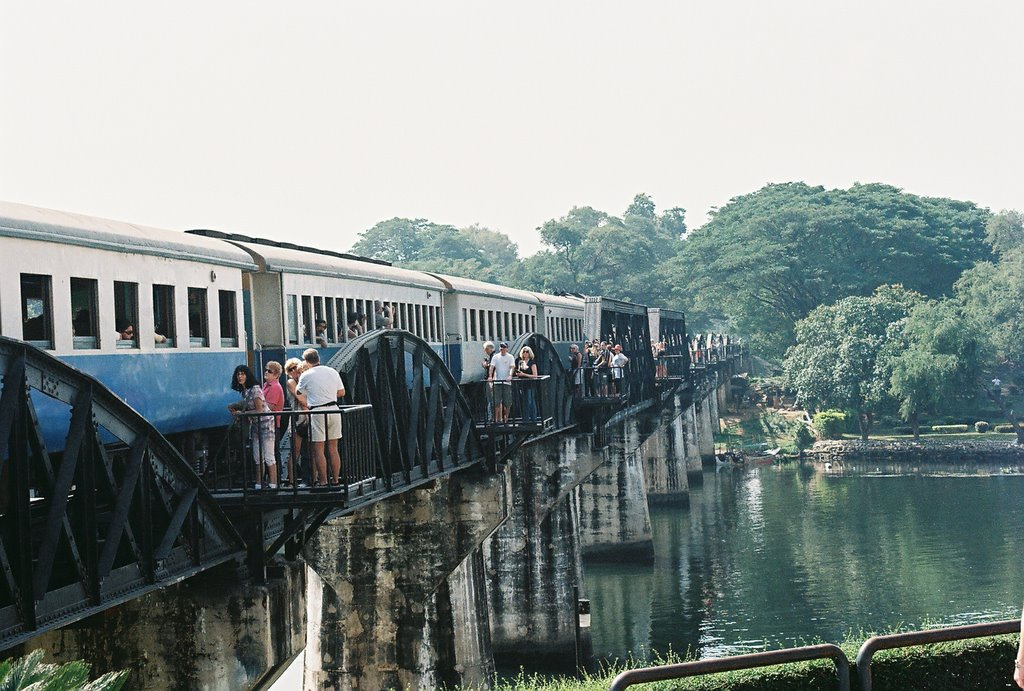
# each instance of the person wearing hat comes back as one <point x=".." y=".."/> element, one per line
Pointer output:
<point x="502" y="365"/>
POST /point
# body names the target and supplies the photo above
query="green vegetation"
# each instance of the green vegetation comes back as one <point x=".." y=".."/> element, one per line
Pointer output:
<point x="32" y="674"/>
<point x="830" y="424"/>
<point x="980" y="664"/>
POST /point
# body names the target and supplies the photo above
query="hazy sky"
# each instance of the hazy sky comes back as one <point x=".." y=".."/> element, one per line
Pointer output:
<point x="312" y="121"/>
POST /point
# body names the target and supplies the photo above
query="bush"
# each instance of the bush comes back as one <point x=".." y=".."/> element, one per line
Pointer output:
<point x="830" y="424"/>
<point x="950" y="429"/>
<point x="1004" y="428"/>
<point x="981" y="426"/>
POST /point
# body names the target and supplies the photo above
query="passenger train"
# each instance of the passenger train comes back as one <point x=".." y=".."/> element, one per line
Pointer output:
<point x="200" y="302"/>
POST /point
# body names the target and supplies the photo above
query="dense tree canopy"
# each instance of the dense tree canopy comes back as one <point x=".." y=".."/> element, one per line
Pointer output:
<point x="767" y="259"/>
<point x="833" y="363"/>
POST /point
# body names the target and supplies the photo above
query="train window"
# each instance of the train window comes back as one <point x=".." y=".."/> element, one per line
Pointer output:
<point x="228" y="319"/>
<point x="307" y="320"/>
<point x="163" y="316"/>
<point x="341" y="326"/>
<point x="435" y="326"/>
<point x="84" y="328"/>
<point x="126" y="314"/>
<point x="419" y="320"/>
<point x="36" y="310"/>
<point x="491" y="331"/>
<point x="533" y="322"/>
<point x="198" y="318"/>
<point x="320" y="322"/>
<point x="471" y="325"/>
<point x="292" y="317"/>
<point x="332" y="333"/>
<point x="505" y="323"/>
<point x="522" y="322"/>
<point x="465" y="324"/>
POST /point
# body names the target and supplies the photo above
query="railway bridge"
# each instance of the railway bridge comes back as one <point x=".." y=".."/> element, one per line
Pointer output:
<point x="453" y="540"/>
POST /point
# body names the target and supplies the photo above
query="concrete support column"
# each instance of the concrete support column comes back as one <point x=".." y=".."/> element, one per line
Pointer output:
<point x="694" y="474"/>
<point x="716" y="420"/>
<point x="391" y="611"/>
<point x="216" y="630"/>
<point x="705" y="432"/>
<point x="615" y="523"/>
<point x="723" y="392"/>
<point x="664" y="460"/>
<point x="534" y="560"/>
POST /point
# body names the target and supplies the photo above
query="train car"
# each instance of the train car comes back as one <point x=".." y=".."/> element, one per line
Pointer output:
<point x="625" y="324"/>
<point x="155" y="315"/>
<point x="669" y="326"/>
<point x="563" y="317"/>
<point x="307" y="298"/>
<point x="477" y="312"/>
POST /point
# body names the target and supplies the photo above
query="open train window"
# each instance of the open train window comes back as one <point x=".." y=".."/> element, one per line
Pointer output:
<point x="163" y="316"/>
<point x="228" y="319"/>
<point x="198" y="318"/>
<point x="307" y="319"/>
<point x="37" y="310"/>
<point x="332" y="333"/>
<point x="491" y="332"/>
<point x="341" y="325"/>
<point x="291" y="305"/>
<point x="126" y="314"/>
<point x="84" y="327"/>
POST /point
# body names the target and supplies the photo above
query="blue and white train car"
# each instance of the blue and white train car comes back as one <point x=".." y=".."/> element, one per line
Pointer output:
<point x="562" y="320"/>
<point x="291" y="290"/>
<point x="477" y="312"/>
<point x="155" y="315"/>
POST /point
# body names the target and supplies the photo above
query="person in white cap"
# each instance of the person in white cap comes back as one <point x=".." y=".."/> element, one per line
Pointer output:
<point x="502" y="365"/>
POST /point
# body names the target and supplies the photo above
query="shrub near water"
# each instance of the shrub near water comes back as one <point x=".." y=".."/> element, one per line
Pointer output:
<point x="830" y="424"/>
<point x="981" y="426"/>
<point x="951" y="429"/>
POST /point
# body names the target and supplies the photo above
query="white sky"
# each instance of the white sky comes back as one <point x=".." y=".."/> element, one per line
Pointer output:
<point x="312" y="121"/>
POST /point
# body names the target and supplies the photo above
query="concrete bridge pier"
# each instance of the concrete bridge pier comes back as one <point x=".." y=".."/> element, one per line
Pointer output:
<point x="705" y="431"/>
<point x="216" y="630"/>
<point x="534" y="560"/>
<point x="664" y="459"/>
<point x="397" y="599"/>
<point x="694" y="474"/>
<point x="614" y="519"/>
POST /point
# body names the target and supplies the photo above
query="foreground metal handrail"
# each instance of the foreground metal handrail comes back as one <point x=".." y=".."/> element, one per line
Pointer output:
<point x="729" y="664"/>
<point x="914" y="638"/>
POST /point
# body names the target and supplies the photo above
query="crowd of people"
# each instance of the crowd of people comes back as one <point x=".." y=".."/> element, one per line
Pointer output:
<point x="357" y="323"/>
<point x="313" y="390"/>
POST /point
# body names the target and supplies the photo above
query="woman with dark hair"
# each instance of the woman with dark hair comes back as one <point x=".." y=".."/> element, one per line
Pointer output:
<point x="261" y="430"/>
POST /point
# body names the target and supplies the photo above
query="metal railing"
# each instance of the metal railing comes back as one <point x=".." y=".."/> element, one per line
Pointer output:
<point x="768" y="658"/>
<point x="915" y="638"/>
<point x="524" y="396"/>
<point x="238" y="466"/>
<point x="603" y="382"/>
<point x="672" y="367"/>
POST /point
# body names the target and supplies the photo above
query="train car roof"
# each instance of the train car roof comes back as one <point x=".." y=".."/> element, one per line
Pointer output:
<point x="620" y="306"/>
<point x="471" y="286"/>
<point x="65" y="228"/>
<point x="303" y="261"/>
<point x="569" y="301"/>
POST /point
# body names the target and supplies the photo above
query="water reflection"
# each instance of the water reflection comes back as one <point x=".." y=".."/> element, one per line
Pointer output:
<point x="785" y="555"/>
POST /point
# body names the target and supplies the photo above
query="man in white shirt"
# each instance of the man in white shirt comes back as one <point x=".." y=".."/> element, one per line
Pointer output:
<point x="502" y="364"/>
<point x="618" y="363"/>
<point x="320" y="387"/>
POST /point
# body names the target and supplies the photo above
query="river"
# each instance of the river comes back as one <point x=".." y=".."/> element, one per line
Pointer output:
<point x="785" y="555"/>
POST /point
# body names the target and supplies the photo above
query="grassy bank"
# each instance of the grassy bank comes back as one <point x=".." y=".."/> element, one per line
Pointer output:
<point x="979" y="664"/>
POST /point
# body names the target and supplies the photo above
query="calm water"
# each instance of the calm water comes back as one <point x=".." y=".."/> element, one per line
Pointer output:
<point x="785" y="555"/>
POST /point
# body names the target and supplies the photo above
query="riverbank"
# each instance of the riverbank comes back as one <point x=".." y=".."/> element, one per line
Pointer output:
<point x="922" y="451"/>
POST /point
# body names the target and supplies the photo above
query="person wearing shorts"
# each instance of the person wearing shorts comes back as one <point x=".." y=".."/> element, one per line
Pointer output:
<point x="319" y="388"/>
<point x="502" y="364"/>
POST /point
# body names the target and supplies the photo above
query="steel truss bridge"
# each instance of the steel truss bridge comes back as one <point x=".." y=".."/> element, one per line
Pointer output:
<point x="114" y="511"/>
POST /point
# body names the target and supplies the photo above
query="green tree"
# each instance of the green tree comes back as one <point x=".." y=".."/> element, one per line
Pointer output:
<point x="833" y="363"/>
<point x="1005" y="231"/>
<point x="992" y="294"/>
<point x="767" y="259"/>
<point x="933" y="360"/>
<point x="32" y="674"/>
<point x="397" y="240"/>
